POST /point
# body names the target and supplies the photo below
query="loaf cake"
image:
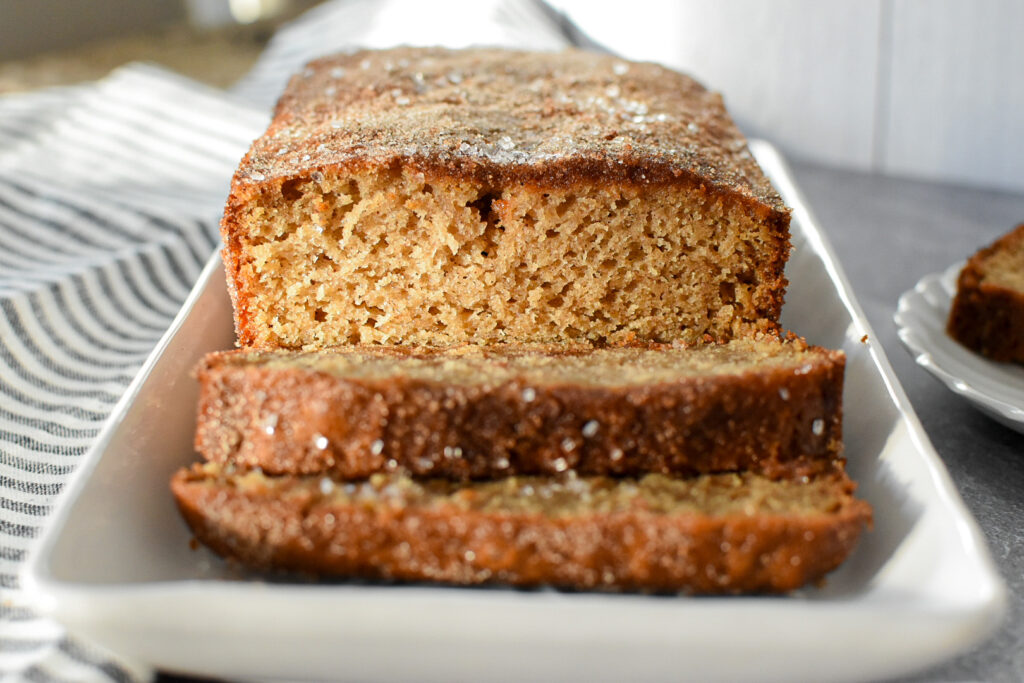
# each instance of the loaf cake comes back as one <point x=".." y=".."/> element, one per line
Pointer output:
<point x="512" y="317"/>
<point x="712" y="534"/>
<point x="473" y="412"/>
<point x="437" y="197"/>
<point x="987" y="315"/>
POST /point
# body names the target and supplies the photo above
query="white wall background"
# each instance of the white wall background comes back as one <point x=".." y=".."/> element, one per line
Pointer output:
<point x="923" y="88"/>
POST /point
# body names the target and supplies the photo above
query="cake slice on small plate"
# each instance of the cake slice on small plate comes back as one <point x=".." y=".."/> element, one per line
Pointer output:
<point x="987" y="315"/>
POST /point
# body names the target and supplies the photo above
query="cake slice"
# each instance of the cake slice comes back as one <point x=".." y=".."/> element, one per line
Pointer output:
<point x="722" y="533"/>
<point x="773" y="407"/>
<point x="988" y="310"/>
<point x="436" y="197"/>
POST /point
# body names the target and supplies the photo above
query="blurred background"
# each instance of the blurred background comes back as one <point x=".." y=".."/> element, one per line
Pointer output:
<point x="928" y="89"/>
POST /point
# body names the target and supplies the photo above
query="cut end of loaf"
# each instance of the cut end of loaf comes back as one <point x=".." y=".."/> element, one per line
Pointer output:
<point x="394" y="256"/>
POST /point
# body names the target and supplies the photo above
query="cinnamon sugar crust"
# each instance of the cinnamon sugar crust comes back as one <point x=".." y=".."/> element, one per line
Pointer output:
<point x="505" y="117"/>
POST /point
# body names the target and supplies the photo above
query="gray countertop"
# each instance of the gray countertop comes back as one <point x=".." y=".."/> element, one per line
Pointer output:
<point x="888" y="233"/>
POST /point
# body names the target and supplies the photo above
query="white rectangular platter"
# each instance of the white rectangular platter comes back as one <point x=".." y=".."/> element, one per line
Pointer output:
<point x="115" y="564"/>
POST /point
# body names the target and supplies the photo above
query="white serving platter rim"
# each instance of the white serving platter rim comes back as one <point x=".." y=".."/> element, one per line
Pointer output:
<point x="997" y="389"/>
<point x="921" y="588"/>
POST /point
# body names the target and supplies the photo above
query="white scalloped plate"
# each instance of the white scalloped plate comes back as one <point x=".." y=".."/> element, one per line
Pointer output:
<point x="996" y="389"/>
<point x="114" y="564"/>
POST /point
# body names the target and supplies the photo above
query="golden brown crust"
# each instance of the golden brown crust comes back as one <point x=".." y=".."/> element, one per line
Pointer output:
<point x="290" y="414"/>
<point x="987" y="316"/>
<point x="504" y="117"/>
<point x="292" y="524"/>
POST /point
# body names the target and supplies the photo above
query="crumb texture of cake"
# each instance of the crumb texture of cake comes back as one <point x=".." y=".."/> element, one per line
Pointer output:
<point x="987" y="315"/>
<point x="713" y="534"/>
<point x="471" y="412"/>
<point x="425" y="196"/>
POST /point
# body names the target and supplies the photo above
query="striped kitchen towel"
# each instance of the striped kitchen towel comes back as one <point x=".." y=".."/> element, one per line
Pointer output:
<point x="109" y="199"/>
<point x="109" y="196"/>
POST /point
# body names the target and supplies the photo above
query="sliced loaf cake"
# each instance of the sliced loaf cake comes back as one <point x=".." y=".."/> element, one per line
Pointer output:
<point x="513" y="317"/>
<point x="473" y="412"/>
<point x="712" y="534"/>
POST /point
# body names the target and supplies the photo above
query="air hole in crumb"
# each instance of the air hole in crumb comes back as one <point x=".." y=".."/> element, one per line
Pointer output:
<point x="290" y="189"/>
<point x="747" y="277"/>
<point x="320" y="315"/>
<point x="484" y="206"/>
<point x="490" y="239"/>
<point x="428" y="189"/>
<point x="551" y="234"/>
<point x="727" y="292"/>
<point x="344" y="200"/>
<point x="564" y="207"/>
